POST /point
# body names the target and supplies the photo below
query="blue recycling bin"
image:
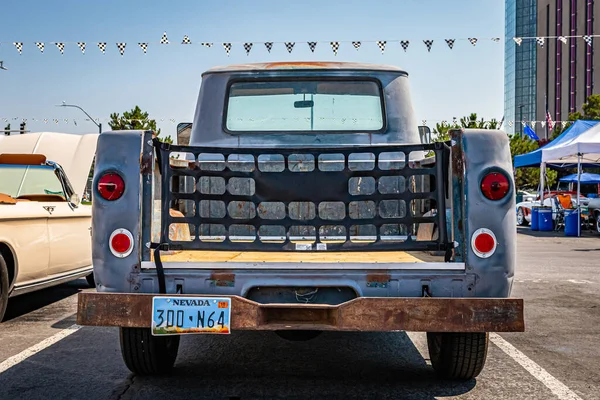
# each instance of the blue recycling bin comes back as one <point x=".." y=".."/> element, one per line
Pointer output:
<point x="572" y="222"/>
<point x="534" y="219"/>
<point x="545" y="222"/>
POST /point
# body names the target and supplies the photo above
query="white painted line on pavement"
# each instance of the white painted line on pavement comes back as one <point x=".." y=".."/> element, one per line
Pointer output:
<point x="557" y="387"/>
<point x="25" y="354"/>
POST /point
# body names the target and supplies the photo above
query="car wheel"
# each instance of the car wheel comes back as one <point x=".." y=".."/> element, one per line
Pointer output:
<point x="90" y="280"/>
<point x="521" y="221"/>
<point x="3" y="287"/>
<point x="598" y="221"/>
<point x="145" y="354"/>
<point x="459" y="356"/>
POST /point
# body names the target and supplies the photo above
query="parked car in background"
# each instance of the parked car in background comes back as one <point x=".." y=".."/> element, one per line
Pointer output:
<point x="44" y="230"/>
<point x="523" y="208"/>
<point x="594" y="209"/>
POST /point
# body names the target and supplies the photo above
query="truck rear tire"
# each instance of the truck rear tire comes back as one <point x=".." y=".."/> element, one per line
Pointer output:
<point x="459" y="356"/>
<point x="145" y="354"/>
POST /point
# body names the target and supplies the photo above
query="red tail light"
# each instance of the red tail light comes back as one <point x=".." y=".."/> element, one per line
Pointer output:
<point x="121" y="243"/>
<point x="495" y="186"/>
<point x="483" y="242"/>
<point x="111" y="186"/>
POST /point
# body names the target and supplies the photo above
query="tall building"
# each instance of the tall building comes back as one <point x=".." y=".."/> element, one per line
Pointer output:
<point x="567" y="73"/>
<point x="519" y="64"/>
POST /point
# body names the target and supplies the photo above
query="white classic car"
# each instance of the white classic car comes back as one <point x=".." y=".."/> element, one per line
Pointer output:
<point x="44" y="230"/>
<point x="524" y="208"/>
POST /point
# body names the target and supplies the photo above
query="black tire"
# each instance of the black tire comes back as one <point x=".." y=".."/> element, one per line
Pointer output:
<point x="521" y="221"/>
<point x="298" y="336"/>
<point x="597" y="221"/>
<point x="458" y="356"/>
<point x="3" y="287"/>
<point x="145" y="354"/>
<point x="90" y="280"/>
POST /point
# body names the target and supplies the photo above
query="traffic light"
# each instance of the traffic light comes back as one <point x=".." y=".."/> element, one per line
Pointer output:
<point x="22" y="127"/>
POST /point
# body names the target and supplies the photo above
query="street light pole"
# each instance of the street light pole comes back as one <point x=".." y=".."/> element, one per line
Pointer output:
<point x="91" y="119"/>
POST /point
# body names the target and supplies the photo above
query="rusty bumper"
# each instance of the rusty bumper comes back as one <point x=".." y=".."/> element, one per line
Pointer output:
<point x="425" y="314"/>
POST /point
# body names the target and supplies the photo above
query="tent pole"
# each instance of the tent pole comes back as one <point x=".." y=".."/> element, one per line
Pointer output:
<point x="578" y="193"/>
<point x="542" y="176"/>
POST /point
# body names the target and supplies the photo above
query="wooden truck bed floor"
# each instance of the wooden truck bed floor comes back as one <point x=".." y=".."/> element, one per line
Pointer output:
<point x="368" y="257"/>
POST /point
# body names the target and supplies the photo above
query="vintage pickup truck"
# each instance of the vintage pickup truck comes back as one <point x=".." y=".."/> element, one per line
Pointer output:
<point x="304" y="202"/>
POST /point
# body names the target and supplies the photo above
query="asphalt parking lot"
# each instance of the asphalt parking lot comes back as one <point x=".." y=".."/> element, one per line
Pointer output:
<point x="44" y="355"/>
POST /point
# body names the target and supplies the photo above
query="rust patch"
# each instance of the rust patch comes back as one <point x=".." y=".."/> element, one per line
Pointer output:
<point x="145" y="164"/>
<point x="419" y="314"/>
<point x="222" y="279"/>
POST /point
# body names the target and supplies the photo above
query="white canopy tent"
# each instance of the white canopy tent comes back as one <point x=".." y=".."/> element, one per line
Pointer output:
<point x="584" y="148"/>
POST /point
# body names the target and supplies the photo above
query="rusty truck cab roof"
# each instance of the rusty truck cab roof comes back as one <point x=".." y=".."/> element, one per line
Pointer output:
<point x="303" y="65"/>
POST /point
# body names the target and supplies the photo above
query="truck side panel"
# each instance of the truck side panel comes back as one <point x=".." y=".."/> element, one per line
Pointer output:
<point x="118" y="151"/>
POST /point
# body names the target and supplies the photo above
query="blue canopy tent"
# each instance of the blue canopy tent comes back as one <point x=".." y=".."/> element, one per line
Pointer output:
<point x="534" y="158"/>
<point x="586" y="177"/>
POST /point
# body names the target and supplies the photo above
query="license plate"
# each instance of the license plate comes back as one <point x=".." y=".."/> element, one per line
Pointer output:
<point x="188" y="315"/>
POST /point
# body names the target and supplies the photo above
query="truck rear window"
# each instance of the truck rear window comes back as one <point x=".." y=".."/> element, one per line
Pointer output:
<point x="305" y="106"/>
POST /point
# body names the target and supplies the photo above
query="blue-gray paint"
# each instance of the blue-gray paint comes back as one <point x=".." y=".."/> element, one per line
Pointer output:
<point x="492" y="277"/>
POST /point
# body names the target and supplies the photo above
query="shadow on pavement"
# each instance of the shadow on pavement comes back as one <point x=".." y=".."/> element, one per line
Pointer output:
<point x="26" y="303"/>
<point x="526" y="230"/>
<point x="247" y="365"/>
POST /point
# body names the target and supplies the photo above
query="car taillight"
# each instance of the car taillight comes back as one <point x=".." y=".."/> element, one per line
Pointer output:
<point x="483" y="242"/>
<point x="121" y="243"/>
<point x="111" y="186"/>
<point x="495" y="186"/>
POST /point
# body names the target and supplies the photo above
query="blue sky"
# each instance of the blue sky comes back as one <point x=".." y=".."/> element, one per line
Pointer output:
<point x="165" y="82"/>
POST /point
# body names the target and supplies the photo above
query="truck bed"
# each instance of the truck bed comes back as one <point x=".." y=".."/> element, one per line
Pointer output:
<point x="368" y="257"/>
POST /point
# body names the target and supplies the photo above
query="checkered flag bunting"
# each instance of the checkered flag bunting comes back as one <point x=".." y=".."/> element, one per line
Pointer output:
<point x="428" y="43"/>
<point x="404" y="44"/>
<point x="206" y="44"/>
<point x="335" y="46"/>
<point x="540" y="41"/>
<point x="55" y="121"/>
<point x="81" y="47"/>
<point x="121" y="47"/>
<point x="61" y="47"/>
<point x="102" y="47"/>
<point x="45" y="120"/>
<point x="564" y="123"/>
<point x="356" y="45"/>
<point x="381" y="44"/>
<point x="543" y="123"/>
<point x="289" y="46"/>
<point x="473" y="40"/>
<point x="496" y="39"/>
<point x="227" y="47"/>
<point x="450" y="43"/>
<point x="269" y="46"/>
<point x="186" y="40"/>
<point x="248" y="47"/>
<point x="510" y="123"/>
<point x="143" y="46"/>
<point x="563" y="39"/>
<point x="588" y="40"/>
<point x="518" y="40"/>
<point x="164" y="39"/>
<point x="19" y="46"/>
<point x="312" y="46"/>
<point x="40" y="45"/>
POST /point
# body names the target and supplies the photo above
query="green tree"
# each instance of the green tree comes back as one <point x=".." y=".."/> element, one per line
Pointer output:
<point x="442" y="128"/>
<point x="136" y="119"/>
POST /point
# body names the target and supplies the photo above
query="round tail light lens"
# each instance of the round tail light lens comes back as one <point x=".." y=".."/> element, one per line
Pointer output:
<point x="121" y="243"/>
<point x="483" y="243"/>
<point x="111" y="186"/>
<point x="495" y="186"/>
